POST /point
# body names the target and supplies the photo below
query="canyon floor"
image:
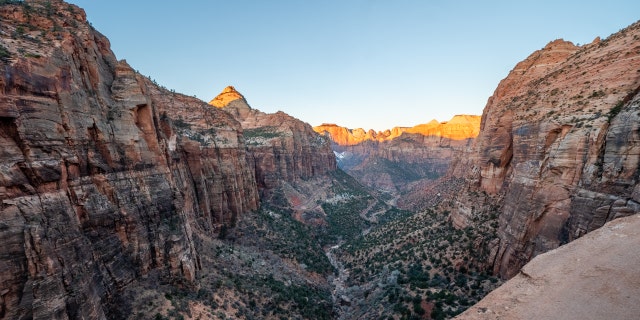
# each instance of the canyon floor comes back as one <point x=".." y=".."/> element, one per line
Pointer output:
<point x="121" y="199"/>
<point x="366" y="260"/>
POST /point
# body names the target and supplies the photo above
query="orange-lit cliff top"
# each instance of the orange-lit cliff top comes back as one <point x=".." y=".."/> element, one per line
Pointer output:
<point x="460" y="127"/>
<point x="225" y="97"/>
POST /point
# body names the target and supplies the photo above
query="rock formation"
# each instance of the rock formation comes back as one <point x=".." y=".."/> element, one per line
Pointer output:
<point x="104" y="176"/>
<point x="594" y="277"/>
<point x="558" y="148"/>
<point x="107" y="178"/>
<point x="402" y="159"/>
<point x="280" y="147"/>
<point x="460" y="127"/>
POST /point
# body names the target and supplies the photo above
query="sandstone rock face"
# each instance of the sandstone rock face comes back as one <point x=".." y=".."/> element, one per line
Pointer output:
<point x="460" y="127"/>
<point x="280" y="147"/>
<point x="594" y="277"/>
<point x="558" y="147"/>
<point x="225" y="97"/>
<point x="104" y="177"/>
<point x="402" y="160"/>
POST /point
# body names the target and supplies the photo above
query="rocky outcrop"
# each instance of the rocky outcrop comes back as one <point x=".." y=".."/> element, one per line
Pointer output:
<point x="280" y="147"/>
<point x="104" y="176"/>
<point x="460" y="127"/>
<point x="402" y="160"/>
<point x="594" y="277"/>
<point x="558" y="147"/>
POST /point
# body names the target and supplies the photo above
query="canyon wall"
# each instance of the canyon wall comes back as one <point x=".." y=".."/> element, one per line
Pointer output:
<point x="403" y="159"/>
<point x="107" y="177"/>
<point x="104" y="176"/>
<point x="558" y="152"/>
<point x="574" y="281"/>
<point x="279" y="146"/>
<point x="460" y="127"/>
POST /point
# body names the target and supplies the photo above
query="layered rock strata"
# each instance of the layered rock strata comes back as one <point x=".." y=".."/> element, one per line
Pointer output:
<point x="593" y="277"/>
<point x="280" y="147"/>
<point x="404" y="158"/>
<point x="460" y="127"/>
<point x="558" y="147"/>
<point x="104" y="176"/>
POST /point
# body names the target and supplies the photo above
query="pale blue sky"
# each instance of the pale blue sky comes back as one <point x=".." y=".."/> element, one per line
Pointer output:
<point x="358" y="63"/>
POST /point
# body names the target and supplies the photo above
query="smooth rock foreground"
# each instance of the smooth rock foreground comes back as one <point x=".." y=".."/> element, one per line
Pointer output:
<point x="594" y="277"/>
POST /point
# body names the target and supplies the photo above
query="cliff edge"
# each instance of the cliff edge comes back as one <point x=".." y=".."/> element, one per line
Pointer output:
<point x="105" y="177"/>
<point x="594" y="277"/>
<point x="558" y="150"/>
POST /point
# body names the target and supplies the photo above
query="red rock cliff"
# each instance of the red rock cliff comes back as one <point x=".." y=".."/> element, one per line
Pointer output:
<point x="558" y="147"/>
<point x="395" y="160"/>
<point x="460" y="127"/>
<point x="280" y="147"/>
<point x="104" y="176"/>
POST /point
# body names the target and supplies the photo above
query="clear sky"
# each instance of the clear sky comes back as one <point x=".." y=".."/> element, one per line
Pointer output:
<point x="358" y="63"/>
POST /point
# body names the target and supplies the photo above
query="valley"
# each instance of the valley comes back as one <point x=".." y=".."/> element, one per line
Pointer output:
<point x="121" y="199"/>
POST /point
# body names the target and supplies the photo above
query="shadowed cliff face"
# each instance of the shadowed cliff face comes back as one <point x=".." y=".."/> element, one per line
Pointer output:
<point x="280" y="147"/>
<point x="558" y="148"/>
<point x="104" y="176"/>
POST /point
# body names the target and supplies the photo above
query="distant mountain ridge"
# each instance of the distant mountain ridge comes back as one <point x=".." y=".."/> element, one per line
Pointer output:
<point x="120" y="199"/>
<point x="460" y="127"/>
<point x="281" y="147"/>
<point x="403" y="160"/>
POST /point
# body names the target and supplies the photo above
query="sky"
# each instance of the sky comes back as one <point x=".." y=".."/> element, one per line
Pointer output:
<point x="357" y="63"/>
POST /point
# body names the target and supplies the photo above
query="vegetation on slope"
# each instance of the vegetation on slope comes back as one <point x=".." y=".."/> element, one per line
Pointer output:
<point x="418" y="265"/>
<point x="393" y="264"/>
<point x="275" y="230"/>
<point x="269" y="267"/>
<point x="346" y="214"/>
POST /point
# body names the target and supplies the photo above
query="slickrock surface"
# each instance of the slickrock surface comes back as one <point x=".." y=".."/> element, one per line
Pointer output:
<point x="559" y="148"/>
<point x="594" y="277"/>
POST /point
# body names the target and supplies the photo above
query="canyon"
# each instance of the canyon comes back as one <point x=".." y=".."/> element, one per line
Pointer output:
<point x="109" y="179"/>
<point x="557" y="152"/>
<point x="403" y="161"/>
<point x="556" y="156"/>
<point x="122" y="199"/>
